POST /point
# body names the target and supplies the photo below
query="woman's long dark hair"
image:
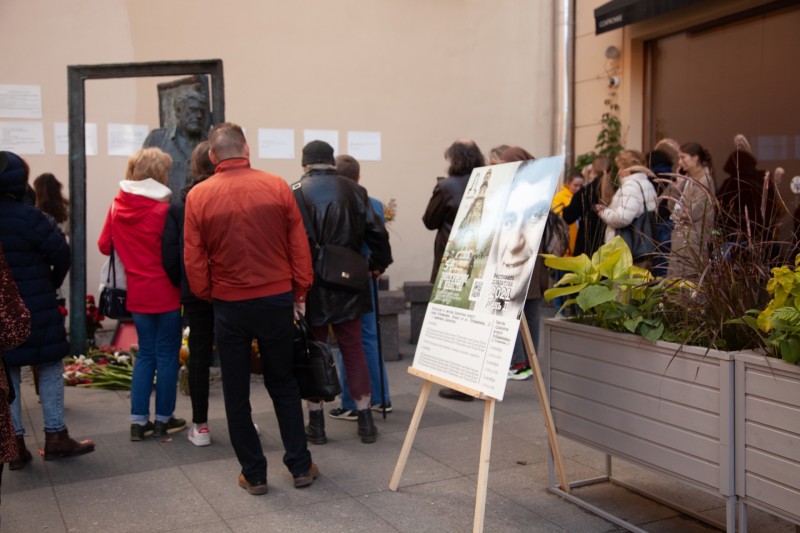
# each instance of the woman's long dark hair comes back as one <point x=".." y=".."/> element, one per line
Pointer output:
<point x="49" y="198"/>
<point x="463" y="157"/>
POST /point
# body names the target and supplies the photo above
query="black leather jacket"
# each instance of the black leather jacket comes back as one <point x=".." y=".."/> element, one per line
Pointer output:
<point x="441" y="213"/>
<point x="341" y="213"/>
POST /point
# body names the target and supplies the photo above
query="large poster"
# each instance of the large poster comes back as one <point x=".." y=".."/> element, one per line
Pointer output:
<point x="472" y="320"/>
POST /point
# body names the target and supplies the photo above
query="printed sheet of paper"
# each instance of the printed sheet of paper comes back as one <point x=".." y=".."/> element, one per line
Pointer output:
<point x="364" y="145"/>
<point x="61" y="130"/>
<point x="329" y="136"/>
<point x="471" y="325"/>
<point x="20" y="101"/>
<point x="124" y="139"/>
<point x="22" y="138"/>
<point x="275" y="143"/>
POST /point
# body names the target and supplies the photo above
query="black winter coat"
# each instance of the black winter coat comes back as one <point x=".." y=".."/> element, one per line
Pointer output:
<point x="341" y="214"/>
<point x="441" y="214"/>
<point x="592" y="229"/>
<point x="39" y="257"/>
<point x="172" y="250"/>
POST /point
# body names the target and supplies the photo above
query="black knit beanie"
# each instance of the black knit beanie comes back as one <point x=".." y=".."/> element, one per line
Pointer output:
<point x="318" y="152"/>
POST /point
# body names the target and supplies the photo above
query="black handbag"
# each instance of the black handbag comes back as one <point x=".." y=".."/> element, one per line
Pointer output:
<point x="341" y="267"/>
<point x="639" y="235"/>
<point x="113" y="300"/>
<point x="335" y="266"/>
<point x="314" y="366"/>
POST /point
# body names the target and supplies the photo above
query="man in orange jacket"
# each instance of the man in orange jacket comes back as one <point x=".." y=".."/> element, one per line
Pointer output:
<point x="246" y="251"/>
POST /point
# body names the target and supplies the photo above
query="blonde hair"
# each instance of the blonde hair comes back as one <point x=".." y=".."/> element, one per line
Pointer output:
<point x="629" y="158"/>
<point x="149" y="163"/>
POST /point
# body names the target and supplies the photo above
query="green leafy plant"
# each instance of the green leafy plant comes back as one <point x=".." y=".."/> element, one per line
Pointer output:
<point x="778" y="323"/>
<point x="609" y="143"/>
<point x="610" y="291"/>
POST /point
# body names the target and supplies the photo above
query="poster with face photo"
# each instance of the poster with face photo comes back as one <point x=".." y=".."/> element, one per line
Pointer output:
<point x="478" y="295"/>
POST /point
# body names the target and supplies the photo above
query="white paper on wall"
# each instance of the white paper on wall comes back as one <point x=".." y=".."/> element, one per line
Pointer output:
<point x="61" y="130"/>
<point x="364" y="145"/>
<point x="275" y="143"/>
<point x="22" y="138"/>
<point x="20" y="101"/>
<point x="124" y="139"/>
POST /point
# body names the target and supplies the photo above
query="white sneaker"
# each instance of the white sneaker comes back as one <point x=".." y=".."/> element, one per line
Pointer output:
<point x="199" y="435"/>
<point x="258" y="429"/>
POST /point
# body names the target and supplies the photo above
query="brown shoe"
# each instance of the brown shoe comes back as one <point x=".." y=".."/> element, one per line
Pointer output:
<point x="452" y="394"/>
<point x="23" y="455"/>
<point x="307" y="478"/>
<point x="254" y="489"/>
<point x="59" y="444"/>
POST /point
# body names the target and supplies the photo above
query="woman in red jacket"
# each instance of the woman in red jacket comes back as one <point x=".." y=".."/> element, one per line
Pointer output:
<point x="134" y="227"/>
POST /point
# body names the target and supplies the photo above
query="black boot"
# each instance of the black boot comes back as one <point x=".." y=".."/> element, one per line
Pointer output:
<point x="59" y="444"/>
<point x="23" y="455"/>
<point x="366" y="426"/>
<point x="315" y="430"/>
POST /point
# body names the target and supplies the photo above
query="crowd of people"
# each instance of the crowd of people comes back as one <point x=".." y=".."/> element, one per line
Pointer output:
<point x="674" y="185"/>
<point x="231" y="254"/>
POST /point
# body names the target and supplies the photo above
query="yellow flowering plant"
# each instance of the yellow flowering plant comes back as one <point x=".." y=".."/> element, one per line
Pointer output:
<point x="778" y="323"/>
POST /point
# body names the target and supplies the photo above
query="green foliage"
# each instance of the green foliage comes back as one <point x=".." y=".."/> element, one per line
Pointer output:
<point x="778" y="323"/>
<point x="609" y="143"/>
<point x="610" y="291"/>
<point x="609" y="140"/>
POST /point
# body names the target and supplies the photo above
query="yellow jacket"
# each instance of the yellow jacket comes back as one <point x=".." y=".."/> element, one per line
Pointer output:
<point x="561" y="200"/>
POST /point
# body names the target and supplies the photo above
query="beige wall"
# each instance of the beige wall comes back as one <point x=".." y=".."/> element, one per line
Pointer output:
<point x="422" y="73"/>
<point x="592" y="70"/>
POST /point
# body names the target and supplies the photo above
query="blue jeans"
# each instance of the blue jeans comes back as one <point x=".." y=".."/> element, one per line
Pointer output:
<point x="160" y="338"/>
<point x="51" y="395"/>
<point x="269" y="321"/>
<point x="532" y="313"/>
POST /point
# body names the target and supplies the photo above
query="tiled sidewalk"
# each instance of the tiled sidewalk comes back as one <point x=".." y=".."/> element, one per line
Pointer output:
<point x="174" y="486"/>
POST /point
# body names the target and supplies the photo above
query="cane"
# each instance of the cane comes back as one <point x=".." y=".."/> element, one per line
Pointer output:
<point x="380" y="345"/>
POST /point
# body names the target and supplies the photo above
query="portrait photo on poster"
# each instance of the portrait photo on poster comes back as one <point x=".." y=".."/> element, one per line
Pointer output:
<point x="516" y="239"/>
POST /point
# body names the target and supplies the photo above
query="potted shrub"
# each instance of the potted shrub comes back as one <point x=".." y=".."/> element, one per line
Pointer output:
<point x="767" y="408"/>
<point x="616" y="385"/>
<point x="676" y="375"/>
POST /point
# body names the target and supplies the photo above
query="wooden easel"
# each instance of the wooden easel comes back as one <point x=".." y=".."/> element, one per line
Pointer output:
<point x="488" y="423"/>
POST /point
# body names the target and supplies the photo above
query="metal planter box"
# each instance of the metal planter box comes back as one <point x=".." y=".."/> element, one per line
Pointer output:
<point x="767" y="436"/>
<point x="660" y="405"/>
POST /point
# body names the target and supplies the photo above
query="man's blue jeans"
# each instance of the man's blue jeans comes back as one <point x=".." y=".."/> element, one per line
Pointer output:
<point x="160" y="336"/>
<point x="51" y="395"/>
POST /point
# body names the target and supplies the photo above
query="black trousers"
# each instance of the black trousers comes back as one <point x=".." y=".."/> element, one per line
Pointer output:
<point x="200" y="317"/>
<point x="269" y="321"/>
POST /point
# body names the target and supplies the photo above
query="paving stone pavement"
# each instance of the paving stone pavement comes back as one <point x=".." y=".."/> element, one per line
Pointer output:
<point x="171" y="485"/>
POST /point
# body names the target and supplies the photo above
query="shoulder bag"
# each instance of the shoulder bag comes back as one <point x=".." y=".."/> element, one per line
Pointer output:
<point x="113" y="299"/>
<point x="335" y="266"/>
<point x="314" y="366"/>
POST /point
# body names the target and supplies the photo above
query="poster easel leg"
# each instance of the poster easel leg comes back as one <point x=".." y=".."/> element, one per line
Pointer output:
<point x="412" y="432"/>
<point x="544" y="402"/>
<point x="483" y="468"/>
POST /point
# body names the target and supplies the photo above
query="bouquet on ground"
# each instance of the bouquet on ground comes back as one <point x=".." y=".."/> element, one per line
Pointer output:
<point x="99" y="369"/>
